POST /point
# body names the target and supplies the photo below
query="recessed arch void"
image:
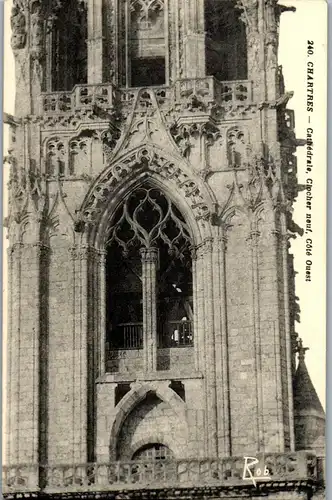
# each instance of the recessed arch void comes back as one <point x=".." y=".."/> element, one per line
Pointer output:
<point x="68" y="46"/>
<point x="148" y="220"/>
<point x="153" y="451"/>
<point x="226" y="44"/>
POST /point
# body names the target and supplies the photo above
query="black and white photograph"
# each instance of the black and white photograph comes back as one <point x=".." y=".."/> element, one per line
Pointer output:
<point x="164" y="261"/>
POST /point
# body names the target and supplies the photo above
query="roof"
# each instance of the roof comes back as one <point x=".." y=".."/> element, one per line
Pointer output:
<point x="305" y="395"/>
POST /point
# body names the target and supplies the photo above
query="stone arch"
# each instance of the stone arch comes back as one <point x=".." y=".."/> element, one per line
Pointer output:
<point x="133" y="398"/>
<point x="55" y="156"/>
<point x="234" y="211"/>
<point x="237" y="143"/>
<point x="189" y="192"/>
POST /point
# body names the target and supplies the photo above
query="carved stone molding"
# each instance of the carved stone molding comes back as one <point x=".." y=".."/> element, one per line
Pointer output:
<point x="182" y="134"/>
<point x="26" y="191"/>
<point x="236" y="147"/>
<point x="18" y="26"/>
<point x="143" y="160"/>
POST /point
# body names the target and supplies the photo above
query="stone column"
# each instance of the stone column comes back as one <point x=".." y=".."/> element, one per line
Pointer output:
<point x="210" y="360"/>
<point x="102" y="313"/>
<point x="149" y="258"/>
<point x="194" y="39"/>
<point x="195" y="306"/>
<point x="252" y="16"/>
<point x="82" y="358"/>
<point x="200" y="309"/>
<point x="24" y="354"/>
<point x="95" y="42"/>
<point x="279" y="329"/>
<point x="253" y="245"/>
<point x="13" y="353"/>
<point x="78" y="289"/>
<point x="284" y="244"/>
<point x="224" y="437"/>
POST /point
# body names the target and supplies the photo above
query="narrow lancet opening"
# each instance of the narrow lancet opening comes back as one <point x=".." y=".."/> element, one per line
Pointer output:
<point x="68" y="40"/>
<point x="226" y="46"/>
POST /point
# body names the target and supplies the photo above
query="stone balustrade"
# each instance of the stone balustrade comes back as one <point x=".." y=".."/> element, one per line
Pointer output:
<point x="188" y="93"/>
<point x="232" y="471"/>
<point x="210" y="90"/>
<point x="80" y="98"/>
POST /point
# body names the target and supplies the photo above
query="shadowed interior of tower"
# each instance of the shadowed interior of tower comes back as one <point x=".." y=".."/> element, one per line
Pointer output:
<point x="149" y="220"/>
<point x="226" y="45"/>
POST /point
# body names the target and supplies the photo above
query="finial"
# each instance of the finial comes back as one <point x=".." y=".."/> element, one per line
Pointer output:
<point x="301" y="350"/>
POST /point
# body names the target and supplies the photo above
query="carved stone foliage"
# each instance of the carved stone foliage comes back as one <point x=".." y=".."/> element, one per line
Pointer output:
<point x="144" y="160"/>
<point x="258" y="183"/>
<point x="109" y="139"/>
<point x="36" y="29"/>
<point x="68" y="121"/>
<point x="18" y="26"/>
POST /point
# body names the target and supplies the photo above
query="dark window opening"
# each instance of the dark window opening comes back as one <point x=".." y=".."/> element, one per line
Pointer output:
<point x="124" y="312"/>
<point x="178" y="387"/>
<point x="153" y="451"/>
<point x="69" y="47"/>
<point x="175" y="306"/>
<point x="120" y="391"/>
<point x="146" y="72"/>
<point x="226" y="46"/>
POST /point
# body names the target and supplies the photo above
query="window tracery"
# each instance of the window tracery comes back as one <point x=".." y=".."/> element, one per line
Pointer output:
<point x="55" y="157"/>
<point x="78" y="156"/>
<point x="146" y="217"/>
<point x="143" y="55"/>
<point x="149" y="278"/>
<point x="236" y="147"/>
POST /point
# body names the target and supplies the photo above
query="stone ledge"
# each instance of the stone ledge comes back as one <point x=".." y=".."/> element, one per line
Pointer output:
<point x="298" y="488"/>
<point x="109" y="378"/>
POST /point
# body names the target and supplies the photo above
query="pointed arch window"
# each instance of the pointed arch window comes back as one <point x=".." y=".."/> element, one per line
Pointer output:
<point x="67" y="57"/>
<point x="143" y="51"/>
<point x="149" y="273"/>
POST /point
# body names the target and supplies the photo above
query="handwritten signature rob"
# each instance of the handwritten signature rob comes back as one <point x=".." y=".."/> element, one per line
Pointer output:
<point x="253" y="473"/>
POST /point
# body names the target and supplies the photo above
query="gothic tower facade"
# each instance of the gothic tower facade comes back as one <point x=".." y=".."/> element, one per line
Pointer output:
<point x="151" y="289"/>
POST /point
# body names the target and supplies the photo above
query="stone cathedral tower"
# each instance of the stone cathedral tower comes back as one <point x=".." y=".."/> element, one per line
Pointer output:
<point x="151" y="334"/>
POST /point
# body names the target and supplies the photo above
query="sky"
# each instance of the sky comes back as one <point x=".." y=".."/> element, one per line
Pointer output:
<point x="307" y="22"/>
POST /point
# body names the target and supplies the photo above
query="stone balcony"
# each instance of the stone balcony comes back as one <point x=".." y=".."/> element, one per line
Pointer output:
<point x="204" y="91"/>
<point x="279" y="469"/>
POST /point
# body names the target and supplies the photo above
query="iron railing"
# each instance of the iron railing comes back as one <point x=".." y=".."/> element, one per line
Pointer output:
<point x="129" y="336"/>
<point x="170" y="334"/>
<point x="176" y="334"/>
